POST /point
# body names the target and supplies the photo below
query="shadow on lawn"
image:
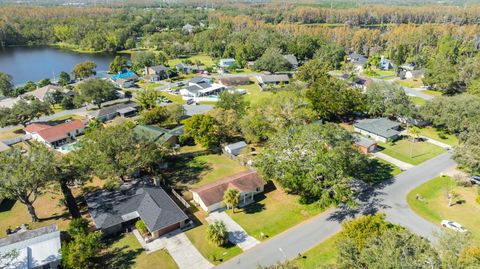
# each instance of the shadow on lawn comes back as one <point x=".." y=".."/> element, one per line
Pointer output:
<point x="7" y="205"/>
<point x="118" y="257"/>
<point x="186" y="170"/>
<point x="377" y="172"/>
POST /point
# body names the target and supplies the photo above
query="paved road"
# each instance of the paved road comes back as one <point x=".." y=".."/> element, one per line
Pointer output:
<point x="389" y="197"/>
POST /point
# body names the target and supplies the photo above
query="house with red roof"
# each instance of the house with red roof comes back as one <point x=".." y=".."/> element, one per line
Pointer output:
<point x="210" y="196"/>
<point x="55" y="135"/>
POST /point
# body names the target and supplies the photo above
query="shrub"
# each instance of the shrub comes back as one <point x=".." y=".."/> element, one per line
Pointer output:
<point x="78" y="226"/>
<point x="141" y="227"/>
<point x="442" y="135"/>
<point x="217" y="233"/>
<point x="477" y="199"/>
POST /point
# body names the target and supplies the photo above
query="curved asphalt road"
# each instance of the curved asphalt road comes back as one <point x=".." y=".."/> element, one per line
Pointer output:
<point x="389" y="197"/>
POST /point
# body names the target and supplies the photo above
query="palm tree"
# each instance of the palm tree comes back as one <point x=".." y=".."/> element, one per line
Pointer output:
<point x="231" y="198"/>
<point x="217" y="233"/>
<point x="414" y="132"/>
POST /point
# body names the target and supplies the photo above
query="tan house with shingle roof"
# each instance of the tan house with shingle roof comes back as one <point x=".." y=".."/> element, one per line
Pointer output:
<point x="210" y="196"/>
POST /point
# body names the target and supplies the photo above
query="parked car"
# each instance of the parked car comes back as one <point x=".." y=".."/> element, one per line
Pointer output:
<point x="475" y="180"/>
<point x="454" y="226"/>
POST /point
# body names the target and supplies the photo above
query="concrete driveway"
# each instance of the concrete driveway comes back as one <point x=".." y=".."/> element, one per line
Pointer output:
<point x="184" y="252"/>
<point x="236" y="234"/>
<point x="402" y="165"/>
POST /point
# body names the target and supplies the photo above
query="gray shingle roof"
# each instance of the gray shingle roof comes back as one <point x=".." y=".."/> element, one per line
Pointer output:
<point x="291" y="59"/>
<point x="112" y="109"/>
<point x="237" y="145"/>
<point x="196" y="79"/>
<point x="191" y="110"/>
<point x="159" y="68"/>
<point x="380" y="126"/>
<point x="152" y="204"/>
<point x="364" y="142"/>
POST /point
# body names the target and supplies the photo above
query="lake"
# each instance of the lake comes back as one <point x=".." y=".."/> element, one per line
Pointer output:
<point x="37" y="63"/>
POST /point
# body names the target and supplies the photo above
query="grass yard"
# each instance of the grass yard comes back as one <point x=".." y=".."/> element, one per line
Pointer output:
<point x="11" y="133"/>
<point x="435" y="134"/>
<point x="434" y="205"/>
<point x="418" y="101"/>
<point x="409" y="152"/>
<point x="177" y="99"/>
<point x="432" y="93"/>
<point x="347" y="126"/>
<point x="394" y="170"/>
<point x="68" y="117"/>
<point x="274" y="212"/>
<point x="324" y="254"/>
<point x="411" y="83"/>
<point x="210" y="251"/>
<point x="126" y="252"/>
<point x="254" y="92"/>
<point x="195" y="171"/>
<point x="204" y="59"/>
<point x="14" y="213"/>
<point x="376" y="73"/>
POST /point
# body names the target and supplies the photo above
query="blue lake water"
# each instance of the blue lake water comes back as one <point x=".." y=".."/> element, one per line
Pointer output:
<point x="37" y="63"/>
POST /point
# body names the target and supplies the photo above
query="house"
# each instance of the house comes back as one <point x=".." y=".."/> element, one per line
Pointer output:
<point x="191" y="110"/>
<point x="379" y="129"/>
<point x="226" y="63"/>
<point x="210" y="196"/>
<point x="189" y="68"/>
<point x="272" y="79"/>
<point x="358" y="60"/>
<point x="415" y="74"/>
<point x="292" y="60"/>
<point x="201" y="89"/>
<point x="235" y="149"/>
<point x="56" y="135"/>
<point x="39" y="248"/>
<point x="128" y="109"/>
<point x="114" y="211"/>
<point x="230" y="81"/>
<point x="156" y="73"/>
<point x="125" y="80"/>
<point x="159" y="135"/>
<point x="46" y="93"/>
<point x="364" y="144"/>
<point x="385" y="64"/>
<point x="187" y="28"/>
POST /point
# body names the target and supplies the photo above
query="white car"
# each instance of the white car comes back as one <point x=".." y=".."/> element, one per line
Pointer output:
<point x="453" y="225"/>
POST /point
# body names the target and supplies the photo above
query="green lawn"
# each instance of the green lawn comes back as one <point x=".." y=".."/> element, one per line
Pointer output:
<point x="210" y="251"/>
<point x="433" y="93"/>
<point x="69" y="117"/>
<point x="394" y="170"/>
<point x="126" y="252"/>
<point x="11" y="133"/>
<point x="177" y="99"/>
<point x="378" y="73"/>
<point x="418" y="100"/>
<point x="322" y="255"/>
<point x="274" y="212"/>
<point x="409" y="152"/>
<point x="411" y="83"/>
<point x="205" y="59"/>
<point x="433" y="133"/>
<point x="195" y="171"/>
<point x="254" y="92"/>
<point x="434" y="205"/>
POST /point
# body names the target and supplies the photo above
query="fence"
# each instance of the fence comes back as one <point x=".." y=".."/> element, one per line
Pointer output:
<point x="16" y="140"/>
<point x="180" y="198"/>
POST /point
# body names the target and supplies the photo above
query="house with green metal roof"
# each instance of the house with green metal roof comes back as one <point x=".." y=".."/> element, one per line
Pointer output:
<point x="159" y="135"/>
<point x="379" y="129"/>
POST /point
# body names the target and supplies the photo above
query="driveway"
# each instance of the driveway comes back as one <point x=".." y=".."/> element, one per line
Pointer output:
<point x="388" y="197"/>
<point x="402" y="165"/>
<point x="236" y="234"/>
<point x="184" y="252"/>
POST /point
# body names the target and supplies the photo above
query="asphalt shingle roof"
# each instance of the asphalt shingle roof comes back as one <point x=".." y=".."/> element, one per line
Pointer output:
<point x="379" y="126"/>
<point x="152" y="204"/>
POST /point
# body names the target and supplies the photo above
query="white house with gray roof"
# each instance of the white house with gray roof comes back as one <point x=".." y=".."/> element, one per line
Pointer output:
<point x="39" y="248"/>
<point x="201" y="89"/>
<point x="114" y="211"/>
<point x="379" y="129"/>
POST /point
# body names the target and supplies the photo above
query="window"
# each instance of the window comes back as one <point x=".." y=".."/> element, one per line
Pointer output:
<point x="258" y="189"/>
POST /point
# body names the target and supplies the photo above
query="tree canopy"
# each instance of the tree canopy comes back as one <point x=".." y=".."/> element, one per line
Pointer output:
<point x="96" y="91"/>
<point x="23" y="112"/>
<point x="316" y="161"/>
<point x="388" y="100"/>
<point x="84" y="70"/>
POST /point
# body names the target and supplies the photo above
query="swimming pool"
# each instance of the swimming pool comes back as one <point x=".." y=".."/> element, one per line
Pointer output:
<point x="69" y="147"/>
